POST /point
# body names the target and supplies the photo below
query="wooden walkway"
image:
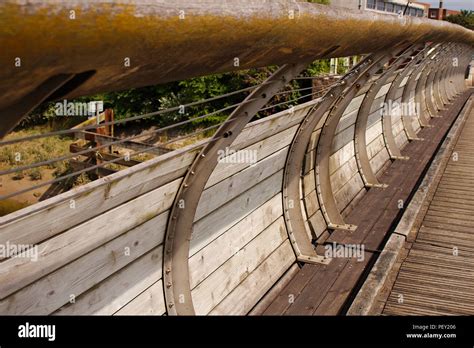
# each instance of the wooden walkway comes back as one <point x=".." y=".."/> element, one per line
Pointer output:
<point x="329" y="289"/>
<point x="437" y="276"/>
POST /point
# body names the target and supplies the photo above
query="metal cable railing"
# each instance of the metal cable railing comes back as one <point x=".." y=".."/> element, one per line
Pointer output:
<point x="149" y="147"/>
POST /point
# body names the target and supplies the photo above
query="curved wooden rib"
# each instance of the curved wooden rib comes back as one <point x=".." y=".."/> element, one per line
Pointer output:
<point x="180" y="225"/>
<point x="324" y="191"/>
<point x="360" y="141"/>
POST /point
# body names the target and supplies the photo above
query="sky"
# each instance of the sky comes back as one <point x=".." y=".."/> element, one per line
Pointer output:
<point x="453" y="4"/>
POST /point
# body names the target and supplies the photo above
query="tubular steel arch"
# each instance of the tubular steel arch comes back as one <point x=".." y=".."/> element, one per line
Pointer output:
<point x="180" y="225"/>
<point x="360" y="142"/>
<point x="324" y="191"/>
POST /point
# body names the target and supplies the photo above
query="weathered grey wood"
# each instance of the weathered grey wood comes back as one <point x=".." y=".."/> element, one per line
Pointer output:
<point x="342" y="139"/>
<point x="341" y="176"/>
<point x="337" y="159"/>
<point x="150" y="302"/>
<point x="228" y="189"/>
<point x="309" y="183"/>
<point x="311" y="203"/>
<point x="215" y="254"/>
<point x="349" y="191"/>
<point x="309" y="162"/>
<point x="383" y="91"/>
<point x="354" y="105"/>
<point x="318" y="224"/>
<point x="374" y="131"/>
<point x="221" y="282"/>
<point x="101" y="195"/>
<point x="379" y="160"/>
<point x="54" y="290"/>
<point x="263" y="149"/>
<point x="243" y="298"/>
<point x="110" y="295"/>
<point x="268" y="126"/>
<point x="346" y="121"/>
<point x="375" y="146"/>
<point x="219" y="221"/>
<point x="17" y="272"/>
<point x="55" y="215"/>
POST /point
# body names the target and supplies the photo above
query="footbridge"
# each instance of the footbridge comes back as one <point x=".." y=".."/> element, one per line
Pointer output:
<point x="316" y="222"/>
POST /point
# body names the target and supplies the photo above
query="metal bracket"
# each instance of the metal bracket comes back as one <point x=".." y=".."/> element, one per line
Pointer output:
<point x="344" y="227"/>
<point x="400" y="158"/>
<point x="315" y="260"/>
<point x="381" y="186"/>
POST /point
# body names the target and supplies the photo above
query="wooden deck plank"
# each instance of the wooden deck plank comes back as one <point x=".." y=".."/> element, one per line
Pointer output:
<point x="436" y="277"/>
<point x="330" y="287"/>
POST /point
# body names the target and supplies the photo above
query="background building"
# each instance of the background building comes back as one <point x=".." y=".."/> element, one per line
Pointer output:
<point x="441" y="13"/>
<point x="394" y="7"/>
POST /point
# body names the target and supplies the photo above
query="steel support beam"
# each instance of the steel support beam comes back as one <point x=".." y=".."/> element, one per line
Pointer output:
<point x="294" y="219"/>
<point x="411" y="89"/>
<point x="360" y="141"/>
<point x="333" y="217"/>
<point x="387" y="126"/>
<point x="420" y="89"/>
<point x="180" y="225"/>
<point x="408" y="73"/>
<point x="406" y="98"/>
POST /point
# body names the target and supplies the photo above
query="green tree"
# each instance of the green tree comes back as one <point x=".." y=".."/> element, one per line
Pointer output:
<point x="465" y="18"/>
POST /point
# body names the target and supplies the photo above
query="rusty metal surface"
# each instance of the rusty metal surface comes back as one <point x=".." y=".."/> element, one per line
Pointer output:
<point x="163" y="47"/>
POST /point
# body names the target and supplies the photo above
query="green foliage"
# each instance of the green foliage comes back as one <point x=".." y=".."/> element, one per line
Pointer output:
<point x="465" y="19"/>
<point x="318" y="67"/>
<point x="150" y="99"/>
